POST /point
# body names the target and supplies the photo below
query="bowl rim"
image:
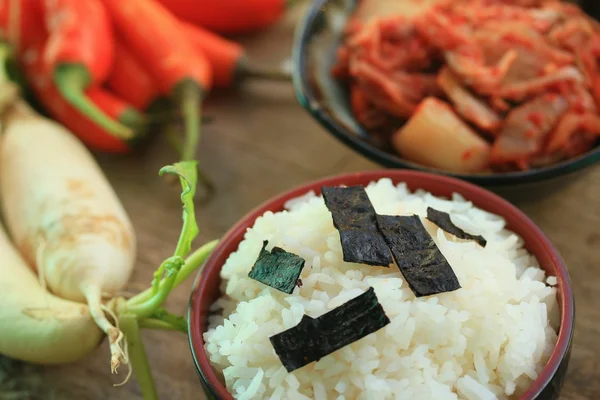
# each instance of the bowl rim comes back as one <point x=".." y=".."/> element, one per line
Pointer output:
<point x="308" y="99"/>
<point x="484" y="197"/>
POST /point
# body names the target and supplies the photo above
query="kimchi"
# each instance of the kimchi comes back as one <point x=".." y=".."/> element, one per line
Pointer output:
<point x="511" y="84"/>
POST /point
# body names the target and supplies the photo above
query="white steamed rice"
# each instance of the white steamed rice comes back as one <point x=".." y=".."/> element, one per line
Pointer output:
<point x="488" y="340"/>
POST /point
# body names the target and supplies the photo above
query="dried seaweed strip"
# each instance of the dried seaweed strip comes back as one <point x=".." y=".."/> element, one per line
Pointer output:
<point x="314" y="338"/>
<point x="421" y="262"/>
<point x="278" y="269"/>
<point x="356" y="221"/>
<point x="442" y="220"/>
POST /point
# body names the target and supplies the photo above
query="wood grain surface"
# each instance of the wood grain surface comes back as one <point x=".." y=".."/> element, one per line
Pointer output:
<point x="262" y="143"/>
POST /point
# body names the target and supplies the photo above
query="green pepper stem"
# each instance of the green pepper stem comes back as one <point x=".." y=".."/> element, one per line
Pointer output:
<point x="190" y="108"/>
<point x="71" y="80"/>
<point x="137" y="356"/>
<point x="292" y="3"/>
<point x="190" y="97"/>
<point x="152" y="323"/>
<point x="132" y="118"/>
<point x="9" y="91"/>
<point x="5" y="53"/>
<point x="192" y="263"/>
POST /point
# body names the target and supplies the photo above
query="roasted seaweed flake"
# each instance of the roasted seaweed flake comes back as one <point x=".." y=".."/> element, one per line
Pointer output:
<point x="421" y="262"/>
<point x="278" y="269"/>
<point x="314" y="338"/>
<point x="442" y="220"/>
<point x="355" y="219"/>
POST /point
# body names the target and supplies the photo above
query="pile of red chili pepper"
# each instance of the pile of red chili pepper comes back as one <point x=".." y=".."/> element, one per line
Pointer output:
<point x="478" y="85"/>
<point x="109" y="69"/>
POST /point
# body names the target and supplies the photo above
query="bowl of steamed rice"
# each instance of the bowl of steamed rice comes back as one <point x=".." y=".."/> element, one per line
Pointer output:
<point x="383" y="285"/>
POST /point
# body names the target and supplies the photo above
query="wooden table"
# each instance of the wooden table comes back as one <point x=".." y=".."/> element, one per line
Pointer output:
<point x="263" y="143"/>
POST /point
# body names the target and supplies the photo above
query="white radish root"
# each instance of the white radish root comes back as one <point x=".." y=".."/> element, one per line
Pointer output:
<point x="54" y="195"/>
<point x="436" y="137"/>
<point x="36" y="326"/>
<point x="68" y="223"/>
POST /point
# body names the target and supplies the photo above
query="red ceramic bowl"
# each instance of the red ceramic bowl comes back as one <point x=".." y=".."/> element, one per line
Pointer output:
<point x="206" y="288"/>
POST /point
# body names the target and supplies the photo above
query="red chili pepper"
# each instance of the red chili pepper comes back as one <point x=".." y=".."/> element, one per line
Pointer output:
<point x="119" y="109"/>
<point x="228" y="59"/>
<point x="229" y="16"/>
<point x="87" y="130"/>
<point x="157" y="39"/>
<point x="79" y="54"/>
<point x="129" y="80"/>
<point x="94" y="136"/>
<point x="21" y="22"/>
<point x="46" y="91"/>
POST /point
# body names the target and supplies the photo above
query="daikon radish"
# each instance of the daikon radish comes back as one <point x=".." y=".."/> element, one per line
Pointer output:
<point x="436" y="137"/>
<point x="63" y="215"/>
<point x="66" y="219"/>
<point x="36" y="326"/>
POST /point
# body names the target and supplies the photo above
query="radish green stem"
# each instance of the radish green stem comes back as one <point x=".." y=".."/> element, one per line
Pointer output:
<point x="175" y="320"/>
<point x="137" y="356"/>
<point x="151" y="323"/>
<point x="192" y="263"/>
<point x="188" y="177"/>
<point x="171" y="267"/>
<point x="158" y="274"/>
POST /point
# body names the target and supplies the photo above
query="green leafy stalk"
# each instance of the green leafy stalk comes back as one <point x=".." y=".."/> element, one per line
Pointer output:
<point x="157" y="279"/>
<point x="192" y="263"/>
<point x="188" y="176"/>
<point x="146" y="309"/>
<point x="174" y="270"/>
<point x="174" y="320"/>
<point x="151" y="323"/>
<point x="137" y="356"/>
<point x="195" y="260"/>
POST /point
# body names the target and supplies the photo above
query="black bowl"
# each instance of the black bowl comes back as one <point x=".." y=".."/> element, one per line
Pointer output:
<point x="318" y="36"/>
